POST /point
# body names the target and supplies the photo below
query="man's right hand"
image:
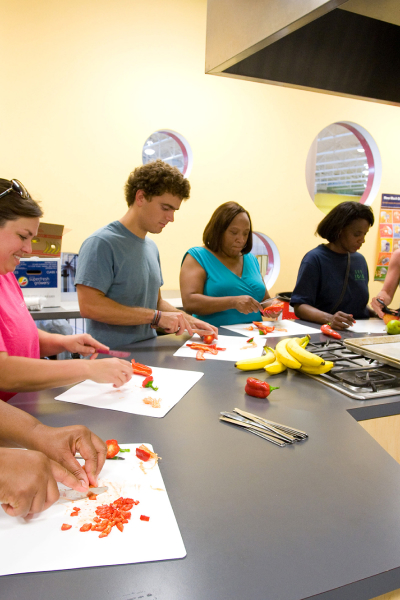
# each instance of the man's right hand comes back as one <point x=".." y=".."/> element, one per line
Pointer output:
<point x="174" y="322"/>
<point x="247" y="304"/>
<point x="28" y="481"/>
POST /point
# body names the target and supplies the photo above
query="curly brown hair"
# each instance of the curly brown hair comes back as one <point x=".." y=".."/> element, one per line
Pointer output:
<point x="155" y="179"/>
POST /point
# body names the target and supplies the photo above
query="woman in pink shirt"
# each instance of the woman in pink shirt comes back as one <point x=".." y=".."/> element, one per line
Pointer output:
<point x="34" y="474"/>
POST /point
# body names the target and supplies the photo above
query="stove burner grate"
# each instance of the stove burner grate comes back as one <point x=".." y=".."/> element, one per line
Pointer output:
<point x="367" y="378"/>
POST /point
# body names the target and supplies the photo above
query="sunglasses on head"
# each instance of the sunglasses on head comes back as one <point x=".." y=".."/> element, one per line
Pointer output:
<point x="18" y="187"/>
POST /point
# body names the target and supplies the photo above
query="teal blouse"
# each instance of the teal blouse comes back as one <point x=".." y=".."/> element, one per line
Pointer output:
<point x="221" y="282"/>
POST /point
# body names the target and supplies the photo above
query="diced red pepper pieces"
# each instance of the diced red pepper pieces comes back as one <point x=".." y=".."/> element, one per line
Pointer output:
<point x="86" y="527"/>
<point x="144" y="518"/>
<point x="65" y="526"/>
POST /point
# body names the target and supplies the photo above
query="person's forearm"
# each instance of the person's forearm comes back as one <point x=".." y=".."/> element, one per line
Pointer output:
<point x="20" y="374"/>
<point x="385" y="296"/>
<point x="50" y="343"/>
<point x="206" y="305"/>
<point x="108" y="311"/>
<point x="309" y="313"/>
<point x="17" y="427"/>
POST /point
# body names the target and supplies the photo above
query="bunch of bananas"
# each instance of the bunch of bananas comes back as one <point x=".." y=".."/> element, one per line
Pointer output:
<point x="288" y="353"/>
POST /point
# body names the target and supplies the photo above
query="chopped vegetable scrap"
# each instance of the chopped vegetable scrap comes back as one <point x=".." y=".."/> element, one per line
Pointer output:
<point x="202" y="348"/>
<point x="153" y="402"/>
<point x="257" y="388"/>
<point x="144" y="453"/>
<point x="251" y="328"/>
<point x="116" y="514"/>
<point x="139" y="369"/>
<point x="144" y="518"/>
<point x="250" y="344"/>
<point x="148" y="383"/>
<point x="327" y="330"/>
<point x="112" y="448"/>
<point x="262" y="328"/>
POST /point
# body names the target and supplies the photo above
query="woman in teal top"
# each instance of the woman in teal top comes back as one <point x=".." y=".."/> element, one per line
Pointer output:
<point x="221" y="281"/>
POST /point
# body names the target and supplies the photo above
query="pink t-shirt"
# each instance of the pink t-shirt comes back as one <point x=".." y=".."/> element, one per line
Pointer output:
<point x="18" y="332"/>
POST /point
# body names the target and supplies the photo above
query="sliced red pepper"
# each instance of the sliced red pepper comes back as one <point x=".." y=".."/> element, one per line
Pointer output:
<point x="327" y="330"/>
<point x="143" y="454"/>
<point x="263" y="329"/>
<point x="139" y="369"/>
<point x="65" y="526"/>
<point x="250" y="340"/>
<point x="257" y="388"/>
<point x="112" y="448"/>
<point x="86" y="527"/>
<point x="148" y="383"/>
<point x="144" y="518"/>
<point x="200" y="355"/>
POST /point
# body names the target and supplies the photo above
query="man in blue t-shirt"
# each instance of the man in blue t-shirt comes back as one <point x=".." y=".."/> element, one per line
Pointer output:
<point x="119" y="277"/>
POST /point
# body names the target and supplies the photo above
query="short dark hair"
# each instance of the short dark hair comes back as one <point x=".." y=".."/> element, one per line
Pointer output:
<point x="220" y="220"/>
<point x="13" y="206"/>
<point x="342" y="215"/>
<point x="155" y="179"/>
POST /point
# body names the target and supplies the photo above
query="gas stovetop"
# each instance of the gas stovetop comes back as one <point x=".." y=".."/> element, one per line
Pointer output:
<point x="356" y="376"/>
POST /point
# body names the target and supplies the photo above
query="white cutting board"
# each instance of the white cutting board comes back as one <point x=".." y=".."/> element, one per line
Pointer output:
<point x="281" y="329"/>
<point x="368" y="326"/>
<point x="40" y="545"/>
<point x="172" y="385"/>
<point x="235" y="348"/>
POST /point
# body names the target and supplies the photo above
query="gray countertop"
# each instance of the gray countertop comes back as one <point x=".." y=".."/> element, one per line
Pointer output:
<point x="320" y="520"/>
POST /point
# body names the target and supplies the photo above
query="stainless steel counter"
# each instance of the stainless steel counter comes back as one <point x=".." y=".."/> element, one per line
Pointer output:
<point x="320" y="520"/>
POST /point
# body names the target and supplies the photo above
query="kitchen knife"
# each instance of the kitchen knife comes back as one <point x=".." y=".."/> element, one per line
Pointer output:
<point x="68" y="495"/>
<point x="116" y="353"/>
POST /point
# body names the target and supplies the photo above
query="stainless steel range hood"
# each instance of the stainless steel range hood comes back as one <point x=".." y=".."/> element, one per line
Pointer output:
<point x="349" y="48"/>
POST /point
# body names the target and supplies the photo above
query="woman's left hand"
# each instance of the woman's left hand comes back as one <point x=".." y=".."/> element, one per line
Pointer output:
<point x="62" y="443"/>
<point x="82" y="343"/>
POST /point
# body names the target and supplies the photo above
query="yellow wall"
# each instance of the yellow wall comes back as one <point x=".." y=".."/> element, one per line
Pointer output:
<point x="85" y="82"/>
<point x="326" y="202"/>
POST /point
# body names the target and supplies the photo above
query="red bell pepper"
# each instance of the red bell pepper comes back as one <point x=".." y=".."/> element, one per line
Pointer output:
<point x="263" y="329"/>
<point x="148" y="383"/>
<point x="257" y="388"/>
<point x="327" y="330"/>
<point x="139" y="369"/>
<point x="208" y="339"/>
<point x="112" y="448"/>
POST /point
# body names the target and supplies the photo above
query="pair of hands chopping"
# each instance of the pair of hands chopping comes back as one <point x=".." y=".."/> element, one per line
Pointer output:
<point x="28" y="478"/>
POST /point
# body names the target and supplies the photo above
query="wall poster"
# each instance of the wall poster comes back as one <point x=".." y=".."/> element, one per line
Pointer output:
<point x="389" y="233"/>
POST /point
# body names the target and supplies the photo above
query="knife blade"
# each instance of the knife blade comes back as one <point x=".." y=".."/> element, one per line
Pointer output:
<point x="116" y="353"/>
<point x="68" y="495"/>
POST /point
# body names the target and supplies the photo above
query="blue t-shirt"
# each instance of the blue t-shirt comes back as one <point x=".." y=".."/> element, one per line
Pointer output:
<point x="126" y="269"/>
<point x="320" y="282"/>
<point x="221" y="281"/>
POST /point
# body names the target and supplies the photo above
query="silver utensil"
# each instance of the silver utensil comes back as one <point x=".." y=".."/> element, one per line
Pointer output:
<point x="253" y="429"/>
<point x="68" y="495"/>
<point x="295" y="432"/>
<point x="285" y="437"/>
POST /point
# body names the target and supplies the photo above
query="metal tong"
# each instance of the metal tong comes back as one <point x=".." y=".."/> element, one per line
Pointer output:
<point x="277" y="434"/>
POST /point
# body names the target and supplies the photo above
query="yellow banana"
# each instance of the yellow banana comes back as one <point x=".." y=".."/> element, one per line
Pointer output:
<point x="318" y="370"/>
<point x="284" y="357"/>
<point x="306" y="358"/>
<point x="304" y="341"/>
<point x="252" y="364"/>
<point x="275" y="368"/>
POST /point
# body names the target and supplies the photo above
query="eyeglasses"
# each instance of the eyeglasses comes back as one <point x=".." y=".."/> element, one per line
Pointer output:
<point x="16" y="186"/>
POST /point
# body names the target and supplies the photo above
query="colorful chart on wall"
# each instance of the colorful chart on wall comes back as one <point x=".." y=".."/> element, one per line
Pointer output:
<point x="389" y="233"/>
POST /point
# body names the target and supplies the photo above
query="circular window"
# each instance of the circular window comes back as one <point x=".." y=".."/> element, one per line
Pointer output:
<point x="343" y="163"/>
<point x="171" y="147"/>
<point x="268" y="257"/>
